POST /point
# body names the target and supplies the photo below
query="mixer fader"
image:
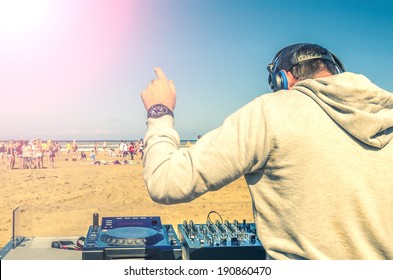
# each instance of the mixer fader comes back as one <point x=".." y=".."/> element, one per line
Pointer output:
<point x="220" y="240"/>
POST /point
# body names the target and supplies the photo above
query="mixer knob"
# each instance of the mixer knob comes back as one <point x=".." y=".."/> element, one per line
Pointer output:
<point x="234" y="241"/>
<point x="173" y="241"/>
<point x="154" y="222"/>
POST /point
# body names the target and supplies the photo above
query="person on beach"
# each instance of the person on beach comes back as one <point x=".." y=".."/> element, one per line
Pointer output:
<point x="2" y="151"/>
<point x="121" y="148"/>
<point x="10" y="152"/>
<point x="104" y="147"/>
<point x="39" y="155"/>
<point x="44" y="147"/>
<point x="96" y="148"/>
<point x="74" y="149"/>
<point x="58" y="149"/>
<point x="125" y="149"/>
<point x="68" y="148"/>
<point x="131" y="150"/>
<point x="112" y="152"/>
<point x="141" y="147"/>
<point x="52" y="149"/>
<point x="316" y="154"/>
<point x="83" y="156"/>
<point x="92" y="156"/>
<point x="26" y="155"/>
<point x="19" y="154"/>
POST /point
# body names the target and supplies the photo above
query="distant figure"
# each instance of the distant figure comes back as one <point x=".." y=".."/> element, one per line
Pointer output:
<point x="2" y="151"/>
<point x="10" y="155"/>
<point x="57" y="149"/>
<point x="125" y="149"/>
<point x="19" y="154"/>
<point x="83" y="155"/>
<point x="131" y="150"/>
<point x="68" y="148"/>
<point x="121" y="147"/>
<point x="104" y="147"/>
<point x="52" y="149"/>
<point x="92" y="156"/>
<point x="39" y="160"/>
<point x="74" y="149"/>
<point x="96" y="148"/>
<point x="44" y="145"/>
<point x="141" y="147"/>
<point x="26" y="155"/>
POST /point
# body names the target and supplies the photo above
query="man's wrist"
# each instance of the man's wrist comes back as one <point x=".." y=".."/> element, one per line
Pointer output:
<point x="158" y="110"/>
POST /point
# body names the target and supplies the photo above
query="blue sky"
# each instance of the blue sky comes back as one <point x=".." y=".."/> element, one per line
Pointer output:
<point x="75" y="69"/>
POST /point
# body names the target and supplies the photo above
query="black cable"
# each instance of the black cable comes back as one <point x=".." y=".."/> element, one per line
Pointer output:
<point x="208" y="220"/>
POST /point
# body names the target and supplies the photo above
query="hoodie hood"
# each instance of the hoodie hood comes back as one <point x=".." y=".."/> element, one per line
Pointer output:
<point x="361" y="108"/>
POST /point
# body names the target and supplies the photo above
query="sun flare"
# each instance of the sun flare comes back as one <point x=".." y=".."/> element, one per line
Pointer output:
<point x="20" y="15"/>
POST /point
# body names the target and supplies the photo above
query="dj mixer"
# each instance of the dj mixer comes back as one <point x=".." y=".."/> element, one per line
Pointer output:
<point x="222" y="241"/>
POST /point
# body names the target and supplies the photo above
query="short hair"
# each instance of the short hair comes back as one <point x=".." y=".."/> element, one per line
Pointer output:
<point x="310" y="68"/>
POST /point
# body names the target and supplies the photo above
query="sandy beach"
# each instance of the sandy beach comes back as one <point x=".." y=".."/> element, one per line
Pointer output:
<point x="60" y="201"/>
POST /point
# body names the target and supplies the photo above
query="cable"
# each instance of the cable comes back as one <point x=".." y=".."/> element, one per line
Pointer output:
<point x="208" y="220"/>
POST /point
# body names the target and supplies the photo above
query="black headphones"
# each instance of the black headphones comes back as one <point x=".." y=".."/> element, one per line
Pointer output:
<point x="288" y="57"/>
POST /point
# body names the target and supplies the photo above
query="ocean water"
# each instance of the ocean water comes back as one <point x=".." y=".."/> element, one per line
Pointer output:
<point x="88" y="145"/>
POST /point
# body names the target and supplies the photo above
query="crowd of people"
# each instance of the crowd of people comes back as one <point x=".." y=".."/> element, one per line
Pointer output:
<point x="28" y="154"/>
<point x="124" y="149"/>
<point x="31" y="154"/>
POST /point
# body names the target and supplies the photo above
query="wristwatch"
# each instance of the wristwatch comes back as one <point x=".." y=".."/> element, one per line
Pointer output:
<point x="158" y="110"/>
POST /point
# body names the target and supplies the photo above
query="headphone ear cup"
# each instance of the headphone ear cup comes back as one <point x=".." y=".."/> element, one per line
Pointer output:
<point x="280" y="81"/>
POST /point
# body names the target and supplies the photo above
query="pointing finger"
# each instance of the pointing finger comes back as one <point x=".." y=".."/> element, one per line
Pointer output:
<point x="160" y="74"/>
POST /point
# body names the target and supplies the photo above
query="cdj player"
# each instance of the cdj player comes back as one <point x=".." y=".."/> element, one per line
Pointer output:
<point x="131" y="238"/>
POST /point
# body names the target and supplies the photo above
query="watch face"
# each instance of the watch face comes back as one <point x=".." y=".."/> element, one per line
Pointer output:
<point x="158" y="110"/>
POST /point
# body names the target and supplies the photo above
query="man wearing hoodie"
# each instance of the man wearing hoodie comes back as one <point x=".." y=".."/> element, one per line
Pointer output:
<point x="316" y="154"/>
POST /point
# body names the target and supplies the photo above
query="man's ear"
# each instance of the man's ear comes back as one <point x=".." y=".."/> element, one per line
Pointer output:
<point x="291" y="79"/>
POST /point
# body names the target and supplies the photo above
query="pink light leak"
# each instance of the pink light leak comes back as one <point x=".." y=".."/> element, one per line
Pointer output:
<point x="67" y="52"/>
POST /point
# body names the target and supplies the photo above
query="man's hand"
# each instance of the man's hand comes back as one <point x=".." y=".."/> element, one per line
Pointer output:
<point x="159" y="91"/>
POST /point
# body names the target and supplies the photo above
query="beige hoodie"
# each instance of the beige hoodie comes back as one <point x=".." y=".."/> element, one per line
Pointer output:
<point x="317" y="159"/>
